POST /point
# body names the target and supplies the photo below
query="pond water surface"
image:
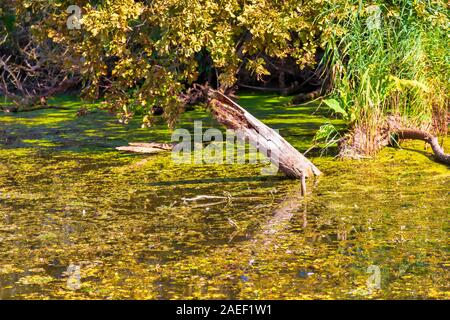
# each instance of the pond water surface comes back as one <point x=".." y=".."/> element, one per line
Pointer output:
<point x="81" y="220"/>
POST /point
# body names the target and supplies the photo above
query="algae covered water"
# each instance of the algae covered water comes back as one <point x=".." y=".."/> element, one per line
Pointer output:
<point x="80" y="220"/>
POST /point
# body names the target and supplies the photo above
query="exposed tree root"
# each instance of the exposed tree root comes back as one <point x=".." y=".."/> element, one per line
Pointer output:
<point x="358" y="144"/>
<point x="428" y="138"/>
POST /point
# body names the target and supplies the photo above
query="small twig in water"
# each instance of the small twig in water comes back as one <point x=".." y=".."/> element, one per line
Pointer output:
<point x="234" y="224"/>
<point x="201" y="197"/>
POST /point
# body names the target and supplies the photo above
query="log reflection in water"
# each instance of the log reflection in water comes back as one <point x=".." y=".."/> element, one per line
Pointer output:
<point x="293" y="203"/>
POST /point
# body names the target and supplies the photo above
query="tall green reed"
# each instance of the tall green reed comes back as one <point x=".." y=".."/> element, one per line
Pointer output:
<point x="389" y="58"/>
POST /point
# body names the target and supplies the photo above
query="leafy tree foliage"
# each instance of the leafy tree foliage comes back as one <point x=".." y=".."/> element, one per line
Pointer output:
<point x="144" y="53"/>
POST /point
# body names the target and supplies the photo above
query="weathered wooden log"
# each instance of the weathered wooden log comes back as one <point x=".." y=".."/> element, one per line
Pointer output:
<point x="282" y="154"/>
<point x="150" y="148"/>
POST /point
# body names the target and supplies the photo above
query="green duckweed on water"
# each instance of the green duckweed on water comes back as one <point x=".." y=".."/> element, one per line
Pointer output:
<point x="68" y="198"/>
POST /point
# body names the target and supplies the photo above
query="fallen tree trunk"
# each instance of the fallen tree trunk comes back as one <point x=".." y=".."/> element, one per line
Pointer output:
<point x="305" y="97"/>
<point x="284" y="91"/>
<point x="33" y="102"/>
<point x="282" y="154"/>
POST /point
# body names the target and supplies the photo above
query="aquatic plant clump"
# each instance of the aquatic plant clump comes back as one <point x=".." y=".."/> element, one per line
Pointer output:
<point x="389" y="68"/>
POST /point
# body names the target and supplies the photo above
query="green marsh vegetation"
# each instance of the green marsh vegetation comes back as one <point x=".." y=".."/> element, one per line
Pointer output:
<point x="390" y="60"/>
